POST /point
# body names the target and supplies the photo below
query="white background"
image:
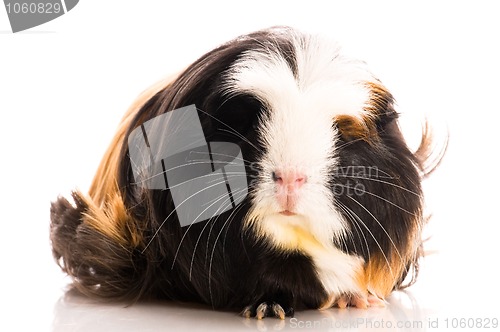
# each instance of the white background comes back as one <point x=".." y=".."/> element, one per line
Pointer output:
<point x="64" y="86"/>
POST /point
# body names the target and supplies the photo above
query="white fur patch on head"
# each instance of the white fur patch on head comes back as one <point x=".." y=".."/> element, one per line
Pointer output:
<point x="302" y="99"/>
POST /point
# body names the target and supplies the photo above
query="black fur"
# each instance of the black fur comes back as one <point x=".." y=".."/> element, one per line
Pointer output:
<point x="218" y="262"/>
<point x="230" y="266"/>
<point x="99" y="266"/>
<point x="383" y="182"/>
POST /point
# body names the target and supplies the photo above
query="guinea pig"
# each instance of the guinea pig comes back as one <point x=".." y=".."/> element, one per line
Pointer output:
<point x="328" y="206"/>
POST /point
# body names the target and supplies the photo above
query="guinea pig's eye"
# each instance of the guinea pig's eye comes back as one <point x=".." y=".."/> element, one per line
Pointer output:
<point x="236" y="117"/>
<point x="385" y="119"/>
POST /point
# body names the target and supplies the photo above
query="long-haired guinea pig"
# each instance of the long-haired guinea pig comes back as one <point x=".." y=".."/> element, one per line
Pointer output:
<point x="269" y="176"/>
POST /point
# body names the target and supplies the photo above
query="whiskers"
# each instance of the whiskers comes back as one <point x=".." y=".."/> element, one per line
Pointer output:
<point x="221" y="203"/>
<point x="217" y="179"/>
<point x="362" y="191"/>
<point x="350" y="184"/>
<point x="224" y="204"/>
<point x="359" y="226"/>
<point x="213" y="184"/>
<point x="149" y="174"/>
<point x="225" y="225"/>
<point x="371" y="173"/>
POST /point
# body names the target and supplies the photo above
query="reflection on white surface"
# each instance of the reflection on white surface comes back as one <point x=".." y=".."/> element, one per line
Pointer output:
<point x="75" y="313"/>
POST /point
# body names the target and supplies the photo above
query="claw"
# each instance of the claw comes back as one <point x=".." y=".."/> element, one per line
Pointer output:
<point x="342" y="302"/>
<point x="247" y="312"/>
<point x="278" y="311"/>
<point x="267" y="309"/>
<point x="261" y="311"/>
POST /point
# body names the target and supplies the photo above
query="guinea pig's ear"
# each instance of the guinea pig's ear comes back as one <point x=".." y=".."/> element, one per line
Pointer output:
<point x="354" y="128"/>
<point x="378" y="113"/>
<point x="381" y="105"/>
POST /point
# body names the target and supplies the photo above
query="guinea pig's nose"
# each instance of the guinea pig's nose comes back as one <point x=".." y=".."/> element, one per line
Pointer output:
<point x="290" y="179"/>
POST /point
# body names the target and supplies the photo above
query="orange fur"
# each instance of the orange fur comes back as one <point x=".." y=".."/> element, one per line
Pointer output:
<point x="381" y="276"/>
<point x="113" y="220"/>
<point x="343" y="300"/>
<point x="105" y="179"/>
<point x="354" y="128"/>
<point x="106" y="212"/>
<point x="380" y="97"/>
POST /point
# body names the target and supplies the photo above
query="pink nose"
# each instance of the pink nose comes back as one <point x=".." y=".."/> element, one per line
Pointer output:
<point x="289" y="178"/>
<point x="287" y="184"/>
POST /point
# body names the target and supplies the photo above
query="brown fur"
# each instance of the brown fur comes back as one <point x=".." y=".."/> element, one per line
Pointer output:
<point x="96" y="238"/>
<point x="91" y="257"/>
<point x="352" y="128"/>
<point x="101" y="239"/>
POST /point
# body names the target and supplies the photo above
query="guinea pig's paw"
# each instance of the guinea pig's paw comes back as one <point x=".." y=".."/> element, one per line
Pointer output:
<point x="375" y="301"/>
<point x="361" y="301"/>
<point x="268" y="309"/>
<point x="353" y="300"/>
